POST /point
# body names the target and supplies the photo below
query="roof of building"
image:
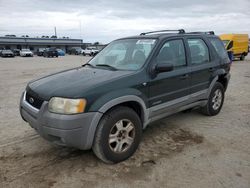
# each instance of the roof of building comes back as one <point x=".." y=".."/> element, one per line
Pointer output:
<point x="22" y="40"/>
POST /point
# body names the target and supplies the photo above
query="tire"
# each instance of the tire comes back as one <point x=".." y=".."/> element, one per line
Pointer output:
<point x="242" y="57"/>
<point x="215" y="100"/>
<point x="104" y="147"/>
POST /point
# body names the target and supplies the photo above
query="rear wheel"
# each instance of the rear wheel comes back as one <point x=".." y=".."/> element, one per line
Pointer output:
<point x="215" y="100"/>
<point x="118" y="135"/>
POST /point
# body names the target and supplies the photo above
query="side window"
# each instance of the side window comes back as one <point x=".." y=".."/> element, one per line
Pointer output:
<point x="173" y="52"/>
<point x="219" y="47"/>
<point x="199" y="51"/>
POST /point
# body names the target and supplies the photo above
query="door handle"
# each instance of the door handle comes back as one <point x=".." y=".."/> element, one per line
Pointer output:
<point x="185" y="76"/>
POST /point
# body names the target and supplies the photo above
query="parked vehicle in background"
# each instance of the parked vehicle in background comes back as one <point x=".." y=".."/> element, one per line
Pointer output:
<point x="40" y="51"/>
<point x="106" y="103"/>
<point x="75" y="51"/>
<point x="50" y="52"/>
<point x="26" y="53"/>
<point x="60" y="52"/>
<point x="236" y="43"/>
<point x="91" y="51"/>
<point x="7" y="53"/>
<point x="16" y="52"/>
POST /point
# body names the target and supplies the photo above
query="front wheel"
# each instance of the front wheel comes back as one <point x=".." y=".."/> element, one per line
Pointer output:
<point x="242" y="57"/>
<point x="118" y="135"/>
<point x="215" y="100"/>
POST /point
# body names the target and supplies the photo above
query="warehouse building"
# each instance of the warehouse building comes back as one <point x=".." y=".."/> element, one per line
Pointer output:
<point x="34" y="43"/>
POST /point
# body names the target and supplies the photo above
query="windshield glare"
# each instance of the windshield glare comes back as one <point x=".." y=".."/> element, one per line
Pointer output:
<point x="125" y="54"/>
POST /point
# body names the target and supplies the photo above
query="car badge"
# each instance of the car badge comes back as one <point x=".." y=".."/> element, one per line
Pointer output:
<point x="31" y="100"/>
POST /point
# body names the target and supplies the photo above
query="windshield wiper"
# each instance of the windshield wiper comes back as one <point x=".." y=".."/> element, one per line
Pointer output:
<point x="88" y="65"/>
<point x="105" y="65"/>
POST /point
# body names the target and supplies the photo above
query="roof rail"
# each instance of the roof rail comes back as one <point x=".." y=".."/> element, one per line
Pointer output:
<point x="180" y="31"/>
<point x="204" y="32"/>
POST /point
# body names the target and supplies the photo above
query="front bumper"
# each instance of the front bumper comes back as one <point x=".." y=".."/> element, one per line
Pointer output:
<point x="7" y="55"/>
<point x="27" y="55"/>
<point x="68" y="130"/>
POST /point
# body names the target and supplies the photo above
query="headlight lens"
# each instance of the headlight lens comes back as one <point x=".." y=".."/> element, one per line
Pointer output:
<point x="66" y="106"/>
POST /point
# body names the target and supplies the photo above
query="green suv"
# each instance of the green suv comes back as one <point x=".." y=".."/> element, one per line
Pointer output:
<point x="105" y="104"/>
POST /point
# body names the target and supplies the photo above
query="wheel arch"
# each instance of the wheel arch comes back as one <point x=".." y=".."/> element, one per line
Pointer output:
<point x="132" y="101"/>
<point x="220" y="76"/>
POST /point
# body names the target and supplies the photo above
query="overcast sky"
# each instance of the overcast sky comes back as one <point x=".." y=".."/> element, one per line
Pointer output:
<point x="107" y="20"/>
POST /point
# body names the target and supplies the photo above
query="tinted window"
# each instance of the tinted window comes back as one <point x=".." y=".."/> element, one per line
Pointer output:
<point x="173" y="52"/>
<point x="199" y="51"/>
<point x="219" y="47"/>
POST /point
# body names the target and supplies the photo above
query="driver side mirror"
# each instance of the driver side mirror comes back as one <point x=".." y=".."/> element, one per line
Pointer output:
<point x="163" y="67"/>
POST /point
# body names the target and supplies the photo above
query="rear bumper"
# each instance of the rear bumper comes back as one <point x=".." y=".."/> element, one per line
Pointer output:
<point x="67" y="130"/>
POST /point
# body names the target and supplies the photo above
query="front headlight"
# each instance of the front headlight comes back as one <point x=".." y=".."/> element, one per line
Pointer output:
<point x="67" y="106"/>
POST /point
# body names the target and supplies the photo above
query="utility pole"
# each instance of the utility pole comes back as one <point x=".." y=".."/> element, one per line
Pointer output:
<point x="80" y="25"/>
<point x="55" y="32"/>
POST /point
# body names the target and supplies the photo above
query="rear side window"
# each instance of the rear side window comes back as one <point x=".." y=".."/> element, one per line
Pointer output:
<point x="219" y="47"/>
<point x="173" y="52"/>
<point x="199" y="51"/>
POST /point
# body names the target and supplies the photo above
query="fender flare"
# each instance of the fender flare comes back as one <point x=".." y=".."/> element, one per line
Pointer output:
<point x="215" y="76"/>
<point x="126" y="98"/>
<point x="109" y="105"/>
<point x="212" y="85"/>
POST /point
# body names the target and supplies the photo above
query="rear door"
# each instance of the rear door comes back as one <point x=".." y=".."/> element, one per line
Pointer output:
<point x="202" y="66"/>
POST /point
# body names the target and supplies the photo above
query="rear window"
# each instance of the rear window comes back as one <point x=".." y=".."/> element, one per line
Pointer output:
<point x="219" y="47"/>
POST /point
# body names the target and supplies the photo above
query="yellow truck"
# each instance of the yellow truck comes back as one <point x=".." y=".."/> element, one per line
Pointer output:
<point x="236" y="43"/>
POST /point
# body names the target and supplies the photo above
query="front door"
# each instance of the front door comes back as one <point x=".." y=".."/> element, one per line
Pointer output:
<point x="170" y="88"/>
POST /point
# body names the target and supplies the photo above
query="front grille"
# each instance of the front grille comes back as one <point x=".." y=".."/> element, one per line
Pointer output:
<point x="33" y="100"/>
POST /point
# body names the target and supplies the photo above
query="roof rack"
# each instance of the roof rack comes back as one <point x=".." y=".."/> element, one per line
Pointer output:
<point x="204" y="32"/>
<point x="180" y="31"/>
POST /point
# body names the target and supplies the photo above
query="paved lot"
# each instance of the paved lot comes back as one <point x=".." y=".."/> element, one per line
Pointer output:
<point x="184" y="150"/>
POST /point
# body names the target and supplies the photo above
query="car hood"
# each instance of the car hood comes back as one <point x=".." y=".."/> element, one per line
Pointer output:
<point x="73" y="83"/>
<point x="26" y="52"/>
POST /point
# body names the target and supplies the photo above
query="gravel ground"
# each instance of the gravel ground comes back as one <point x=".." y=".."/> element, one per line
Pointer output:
<point x="183" y="150"/>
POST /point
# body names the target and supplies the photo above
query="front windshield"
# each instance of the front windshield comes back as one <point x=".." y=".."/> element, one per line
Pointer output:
<point x="125" y="54"/>
<point x="25" y="50"/>
<point x="225" y="42"/>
